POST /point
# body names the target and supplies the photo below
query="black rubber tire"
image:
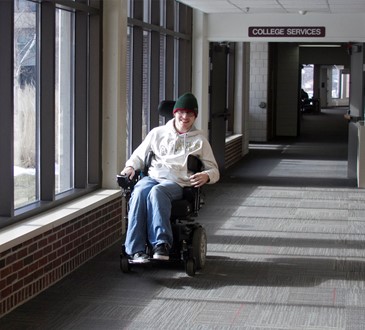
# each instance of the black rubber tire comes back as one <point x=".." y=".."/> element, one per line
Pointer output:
<point x="125" y="267"/>
<point x="190" y="267"/>
<point x="199" y="247"/>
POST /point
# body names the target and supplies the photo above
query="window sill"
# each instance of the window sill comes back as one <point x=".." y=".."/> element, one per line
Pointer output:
<point x="233" y="137"/>
<point x="34" y="226"/>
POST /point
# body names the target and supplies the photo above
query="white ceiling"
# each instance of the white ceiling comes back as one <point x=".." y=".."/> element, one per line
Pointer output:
<point x="248" y="7"/>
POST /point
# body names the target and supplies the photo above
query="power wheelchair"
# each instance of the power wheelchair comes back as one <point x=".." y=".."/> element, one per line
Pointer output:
<point x="189" y="237"/>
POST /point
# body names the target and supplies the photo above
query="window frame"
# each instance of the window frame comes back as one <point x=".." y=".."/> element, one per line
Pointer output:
<point x="169" y="33"/>
<point x="87" y="106"/>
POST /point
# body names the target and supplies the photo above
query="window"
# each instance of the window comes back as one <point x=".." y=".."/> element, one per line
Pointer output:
<point x="336" y="81"/>
<point x="159" y="61"/>
<point x="307" y="79"/>
<point x="340" y="82"/>
<point x="26" y="50"/>
<point x="50" y="96"/>
<point x="345" y="84"/>
<point x="64" y="105"/>
<point x="146" y="82"/>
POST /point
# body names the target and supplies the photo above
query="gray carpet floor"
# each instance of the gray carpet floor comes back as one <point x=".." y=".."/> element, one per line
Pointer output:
<point x="286" y="239"/>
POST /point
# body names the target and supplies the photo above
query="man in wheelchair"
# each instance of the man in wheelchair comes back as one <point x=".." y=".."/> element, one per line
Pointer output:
<point x="152" y="196"/>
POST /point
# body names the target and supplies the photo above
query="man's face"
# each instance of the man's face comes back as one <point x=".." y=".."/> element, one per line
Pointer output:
<point x="184" y="119"/>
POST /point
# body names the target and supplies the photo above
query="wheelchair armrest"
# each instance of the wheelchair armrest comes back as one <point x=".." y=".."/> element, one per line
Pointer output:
<point x="195" y="165"/>
<point x="188" y="206"/>
<point x="192" y="195"/>
<point x="127" y="184"/>
<point x="124" y="182"/>
<point x="189" y="193"/>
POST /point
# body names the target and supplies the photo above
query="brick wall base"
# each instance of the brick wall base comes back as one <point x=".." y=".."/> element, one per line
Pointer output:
<point x="33" y="266"/>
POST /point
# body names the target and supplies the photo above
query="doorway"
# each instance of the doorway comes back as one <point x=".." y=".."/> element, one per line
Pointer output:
<point x="221" y="98"/>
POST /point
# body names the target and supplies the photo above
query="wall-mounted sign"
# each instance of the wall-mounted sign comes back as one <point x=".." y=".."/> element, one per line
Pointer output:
<point x="287" y="31"/>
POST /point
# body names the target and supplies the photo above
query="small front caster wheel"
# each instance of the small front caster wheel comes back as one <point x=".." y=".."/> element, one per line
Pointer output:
<point x="190" y="267"/>
<point x="125" y="267"/>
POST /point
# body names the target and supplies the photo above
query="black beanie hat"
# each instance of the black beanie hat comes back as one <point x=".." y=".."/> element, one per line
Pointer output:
<point x="186" y="102"/>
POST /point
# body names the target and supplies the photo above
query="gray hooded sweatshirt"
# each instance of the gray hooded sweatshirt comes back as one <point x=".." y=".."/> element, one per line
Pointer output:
<point x="171" y="151"/>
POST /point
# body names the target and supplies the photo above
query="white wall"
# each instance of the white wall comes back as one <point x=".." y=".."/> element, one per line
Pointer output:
<point x="258" y="91"/>
<point x="241" y="102"/>
<point x="234" y="27"/>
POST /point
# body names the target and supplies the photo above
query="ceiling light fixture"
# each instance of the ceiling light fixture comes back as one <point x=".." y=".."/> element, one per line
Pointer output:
<point x="302" y="12"/>
<point x="319" y="45"/>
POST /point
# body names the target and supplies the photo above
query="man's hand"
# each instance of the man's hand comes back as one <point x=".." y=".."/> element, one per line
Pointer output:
<point x="199" y="179"/>
<point x="129" y="171"/>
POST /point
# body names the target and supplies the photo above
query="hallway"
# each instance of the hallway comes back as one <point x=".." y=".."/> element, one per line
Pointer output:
<point x="286" y="239"/>
<point x="317" y="158"/>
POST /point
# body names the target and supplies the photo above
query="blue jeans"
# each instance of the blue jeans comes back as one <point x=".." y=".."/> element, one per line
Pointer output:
<point x="149" y="214"/>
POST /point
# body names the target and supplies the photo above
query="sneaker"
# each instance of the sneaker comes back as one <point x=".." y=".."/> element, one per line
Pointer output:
<point x="139" y="258"/>
<point x="161" y="252"/>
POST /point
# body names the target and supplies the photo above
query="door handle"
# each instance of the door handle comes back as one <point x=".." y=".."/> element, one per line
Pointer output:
<point x="224" y="115"/>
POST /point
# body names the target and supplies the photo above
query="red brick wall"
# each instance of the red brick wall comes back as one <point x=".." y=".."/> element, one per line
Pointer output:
<point x="33" y="266"/>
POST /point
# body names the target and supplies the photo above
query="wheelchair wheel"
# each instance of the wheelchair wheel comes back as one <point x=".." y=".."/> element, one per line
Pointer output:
<point x="190" y="267"/>
<point x="125" y="267"/>
<point x="199" y="247"/>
